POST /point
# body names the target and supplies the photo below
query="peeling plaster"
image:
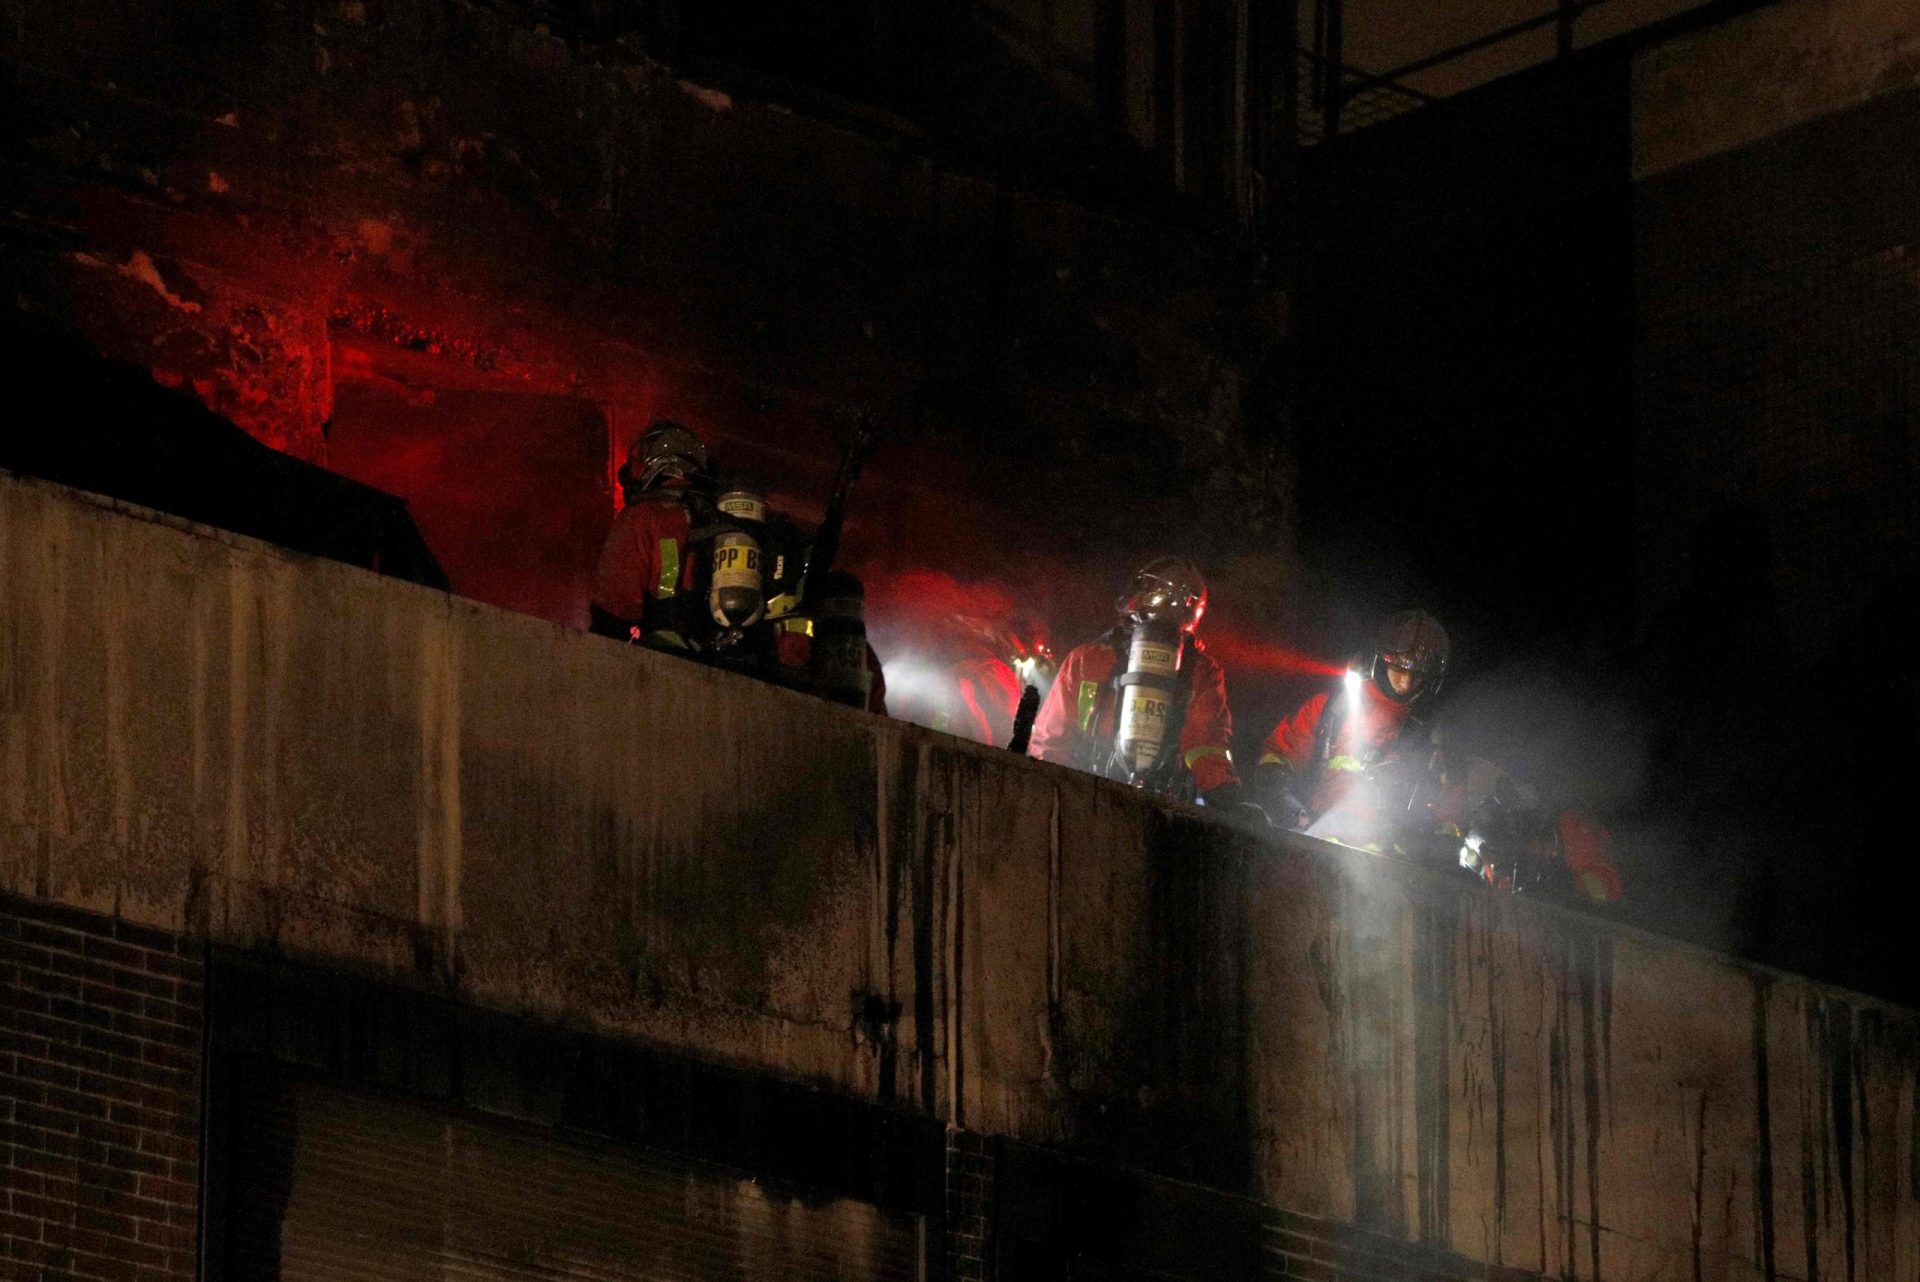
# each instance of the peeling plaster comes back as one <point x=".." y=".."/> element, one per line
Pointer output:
<point x="713" y="99"/>
<point x="139" y="267"/>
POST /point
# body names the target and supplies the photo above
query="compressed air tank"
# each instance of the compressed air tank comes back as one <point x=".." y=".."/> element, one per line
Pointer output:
<point x="840" y="670"/>
<point x="737" y="596"/>
<point x="1147" y="692"/>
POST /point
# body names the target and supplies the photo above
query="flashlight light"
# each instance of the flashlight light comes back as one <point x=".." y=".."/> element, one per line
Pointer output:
<point x="1352" y="682"/>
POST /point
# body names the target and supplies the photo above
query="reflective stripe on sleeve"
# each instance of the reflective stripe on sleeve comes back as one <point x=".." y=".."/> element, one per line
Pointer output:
<point x="1207" y="750"/>
<point x="1595" y="887"/>
<point x="1088" y="698"/>
<point x="1271" y="759"/>
<point x="1345" y="762"/>
<point x="669" y="567"/>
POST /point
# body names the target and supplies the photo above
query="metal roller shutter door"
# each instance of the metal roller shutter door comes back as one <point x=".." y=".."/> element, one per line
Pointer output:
<point x="326" y="1185"/>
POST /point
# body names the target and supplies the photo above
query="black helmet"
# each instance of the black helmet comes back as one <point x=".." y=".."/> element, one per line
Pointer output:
<point x="1412" y="642"/>
<point x="666" y="449"/>
<point x="1167" y="589"/>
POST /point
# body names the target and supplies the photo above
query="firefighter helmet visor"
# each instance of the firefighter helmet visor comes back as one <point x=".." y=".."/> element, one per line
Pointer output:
<point x="1167" y="590"/>
<point x="1410" y="659"/>
<point x="666" y="451"/>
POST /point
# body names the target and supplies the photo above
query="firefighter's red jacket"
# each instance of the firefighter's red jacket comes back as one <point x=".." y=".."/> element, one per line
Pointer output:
<point x="987" y="693"/>
<point x="1378" y="725"/>
<point x="1587" y="848"/>
<point x="1291" y="743"/>
<point x="1076" y="723"/>
<point x="645" y="556"/>
<point x="1581" y="842"/>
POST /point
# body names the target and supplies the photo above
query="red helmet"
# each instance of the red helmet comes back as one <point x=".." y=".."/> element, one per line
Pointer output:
<point x="666" y="450"/>
<point x="1167" y="589"/>
<point x="1032" y="645"/>
<point x="1414" y="643"/>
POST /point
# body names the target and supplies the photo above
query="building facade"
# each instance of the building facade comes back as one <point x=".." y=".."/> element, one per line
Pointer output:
<point x="355" y="930"/>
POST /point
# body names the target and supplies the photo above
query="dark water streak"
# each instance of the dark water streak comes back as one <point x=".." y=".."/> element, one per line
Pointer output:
<point x="1763" y="1126"/>
<point x="1497" y="1031"/>
<point x="1699" y="1179"/>
<point x="1591" y="1071"/>
<point x="1436" y="933"/>
<point x="1560" y="1114"/>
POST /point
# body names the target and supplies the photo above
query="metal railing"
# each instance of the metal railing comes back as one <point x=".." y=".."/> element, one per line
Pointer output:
<point x="1335" y="99"/>
<point x="1330" y="105"/>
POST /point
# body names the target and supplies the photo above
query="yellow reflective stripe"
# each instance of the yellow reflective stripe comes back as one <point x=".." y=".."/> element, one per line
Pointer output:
<point x="1271" y="759"/>
<point x="1594" y="887"/>
<point x="669" y="567"/>
<point x="793" y="624"/>
<point x="1089" y="696"/>
<point x="1207" y="750"/>
<point x="1344" y="762"/>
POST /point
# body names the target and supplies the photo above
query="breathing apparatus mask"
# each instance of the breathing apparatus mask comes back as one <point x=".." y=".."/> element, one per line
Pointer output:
<point x="666" y="451"/>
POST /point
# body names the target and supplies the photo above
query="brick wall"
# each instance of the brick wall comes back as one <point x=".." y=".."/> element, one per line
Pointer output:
<point x="100" y="1081"/>
<point x="99" y="1094"/>
<point x="1313" y="1250"/>
<point x="969" y="1206"/>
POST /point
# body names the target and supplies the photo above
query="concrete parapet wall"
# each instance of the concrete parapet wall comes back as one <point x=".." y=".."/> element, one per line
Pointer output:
<point x="202" y="734"/>
<point x="1738" y="82"/>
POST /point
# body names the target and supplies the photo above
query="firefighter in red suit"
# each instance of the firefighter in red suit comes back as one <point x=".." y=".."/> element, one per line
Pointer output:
<point x="999" y="658"/>
<point x="795" y="656"/>
<point x="986" y="690"/>
<point x="1086" y="721"/>
<point x="1359" y="762"/>
<point x="1514" y="843"/>
<point x="646" y="586"/>
<point x="1311" y="759"/>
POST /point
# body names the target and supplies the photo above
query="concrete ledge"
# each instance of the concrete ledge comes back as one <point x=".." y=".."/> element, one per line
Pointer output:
<point x="1741" y="81"/>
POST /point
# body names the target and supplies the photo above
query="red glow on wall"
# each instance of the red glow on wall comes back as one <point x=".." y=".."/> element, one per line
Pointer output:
<point x="918" y="595"/>
<point x="507" y="488"/>
<point x="1241" y="654"/>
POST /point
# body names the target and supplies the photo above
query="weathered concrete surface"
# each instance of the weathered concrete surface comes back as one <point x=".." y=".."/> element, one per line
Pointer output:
<point x="209" y="735"/>
<point x="1749" y="78"/>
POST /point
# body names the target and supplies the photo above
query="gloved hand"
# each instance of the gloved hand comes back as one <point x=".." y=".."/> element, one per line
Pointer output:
<point x="1229" y="800"/>
<point x="1272" y="785"/>
<point x="1292" y="813"/>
